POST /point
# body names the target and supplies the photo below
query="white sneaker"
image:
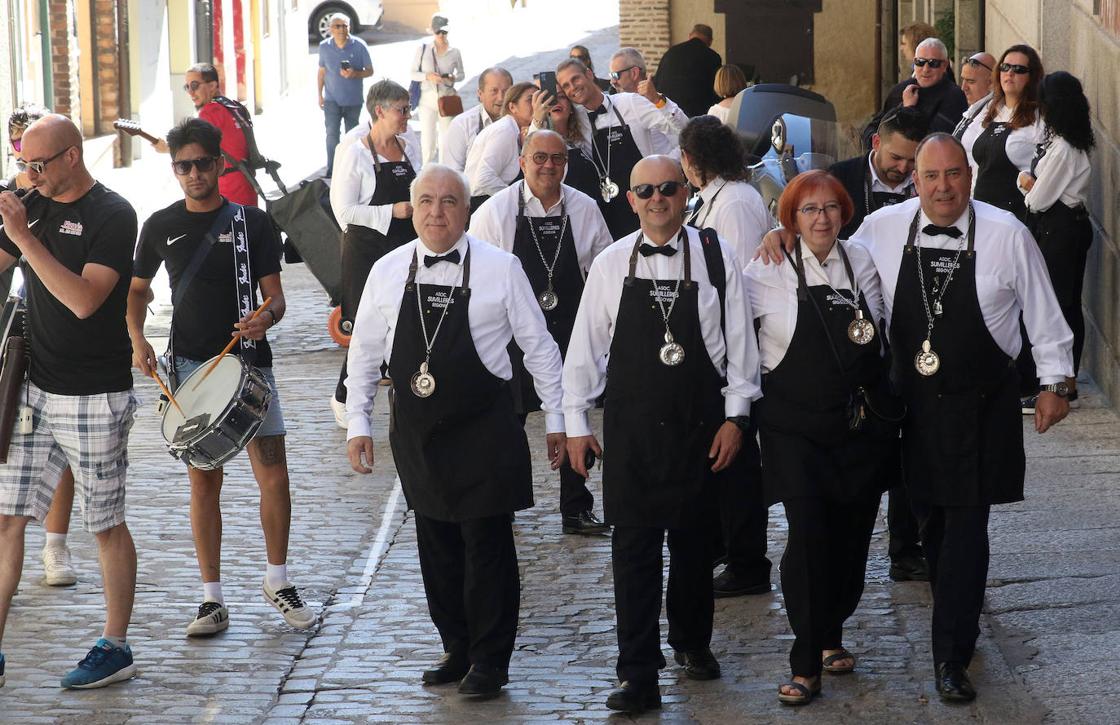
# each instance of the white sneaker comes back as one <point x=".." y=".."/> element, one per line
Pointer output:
<point x="57" y="569"/>
<point x="287" y="601"/>
<point x="212" y="618"/>
<point x="339" y="409"/>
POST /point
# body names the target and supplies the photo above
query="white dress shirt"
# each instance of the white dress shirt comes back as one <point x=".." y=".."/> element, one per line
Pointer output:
<point x="1021" y="143"/>
<point x="1062" y="175"/>
<point x="773" y="293"/>
<point x="737" y="212"/>
<point x="492" y="163"/>
<point x="496" y="220"/>
<point x="455" y="143"/>
<point x="906" y="188"/>
<point x="1011" y="277"/>
<point x="362" y="129"/>
<point x="720" y="111"/>
<point x="971" y="116"/>
<point x="502" y="307"/>
<point x="655" y="130"/>
<point x="585" y="369"/>
<point x="355" y="181"/>
<point x="428" y="60"/>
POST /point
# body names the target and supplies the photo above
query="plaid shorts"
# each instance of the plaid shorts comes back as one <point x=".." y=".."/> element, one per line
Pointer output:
<point x="88" y="433"/>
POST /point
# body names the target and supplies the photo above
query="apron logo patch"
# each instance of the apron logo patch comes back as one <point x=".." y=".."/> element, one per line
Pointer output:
<point x="838" y="300"/>
<point x="550" y="228"/>
<point x="943" y="265"/>
<point x="614" y="135"/>
<point x="666" y="295"/>
<point x="439" y="300"/>
<point x="72" y="228"/>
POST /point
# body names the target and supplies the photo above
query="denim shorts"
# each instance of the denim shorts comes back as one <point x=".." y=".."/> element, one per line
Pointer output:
<point x="273" y="424"/>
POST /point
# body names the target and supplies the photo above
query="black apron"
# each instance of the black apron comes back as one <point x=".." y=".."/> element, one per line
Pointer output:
<point x="996" y="177"/>
<point x="567" y="283"/>
<point x="623" y="155"/>
<point x="659" y="421"/>
<point x="873" y="201"/>
<point x="808" y="447"/>
<point x="962" y="439"/>
<point x="362" y="246"/>
<point x="461" y="454"/>
<point x="581" y="174"/>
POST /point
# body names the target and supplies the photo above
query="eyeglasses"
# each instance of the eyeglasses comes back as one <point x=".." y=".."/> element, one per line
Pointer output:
<point x="614" y="74"/>
<point x="665" y="188"/>
<point x="204" y="165"/>
<point x="193" y="86"/>
<point x="339" y="25"/>
<point x="1019" y="70"/>
<point x="441" y="32"/>
<point x="934" y="63"/>
<point x="557" y="159"/>
<point x="403" y="110"/>
<point x="973" y="62"/>
<point x="39" y="166"/>
<point x="812" y="210"/>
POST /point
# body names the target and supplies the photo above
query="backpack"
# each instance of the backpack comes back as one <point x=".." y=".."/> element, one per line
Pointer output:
<point x="255" y="159"/>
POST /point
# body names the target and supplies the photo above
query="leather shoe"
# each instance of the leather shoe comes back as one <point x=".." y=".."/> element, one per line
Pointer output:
<point x="449" y="668"/>
<point x="730" y="584"/>
<point x="699" y="664"/>
<point x="634" y="698"/>
<point x="953" y="684"/>
<point x="585" y="523"/>
<point x="483" y="682"/>
<point x="910" y="569"/>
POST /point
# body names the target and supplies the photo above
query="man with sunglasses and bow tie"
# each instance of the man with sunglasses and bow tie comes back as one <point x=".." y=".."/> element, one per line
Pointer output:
<point x="931" y="89"/>
<point x="664" y="333"/>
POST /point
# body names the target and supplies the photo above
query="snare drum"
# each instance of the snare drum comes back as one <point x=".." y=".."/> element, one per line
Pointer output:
<point x="222" y="413"/>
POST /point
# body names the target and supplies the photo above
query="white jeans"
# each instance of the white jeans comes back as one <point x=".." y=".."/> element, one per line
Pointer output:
<point x="429" y="119"/>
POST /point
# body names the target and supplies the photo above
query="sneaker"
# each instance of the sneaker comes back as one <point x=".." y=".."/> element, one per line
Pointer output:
<point x="339" y="410"/>
<point x="104" y="665"/>
<point x="288" y="602"/>
<point x="212" y="618"/>
<point x="1" y="670"/>
<point x="57" y="569"/>
<point x="1028" y="404"/>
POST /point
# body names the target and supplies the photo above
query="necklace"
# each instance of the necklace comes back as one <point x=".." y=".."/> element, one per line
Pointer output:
<point x="548" y="299"/>
<point x="423" y="383"/>
<point x="860" y="330"/>
<point x="672" y="352"/>
<point x="926" y="361"/>
<point x="607" y="188"/>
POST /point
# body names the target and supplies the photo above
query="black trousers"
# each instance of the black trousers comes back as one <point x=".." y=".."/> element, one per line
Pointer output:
<point x="823" y="570"/>
<point x="741" y="537"/>
<point x="575" y="498"/>
<point x="902" y="525"/>
<point x="637" y="562"/>
<point x="955" y="539"/>
<point x="472" y="585"/>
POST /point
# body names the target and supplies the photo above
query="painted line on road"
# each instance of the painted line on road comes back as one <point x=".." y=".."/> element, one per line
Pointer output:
<point x="380" y="543"/>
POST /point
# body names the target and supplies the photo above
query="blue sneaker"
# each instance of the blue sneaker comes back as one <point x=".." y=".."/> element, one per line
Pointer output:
<point x="104" y="665"/>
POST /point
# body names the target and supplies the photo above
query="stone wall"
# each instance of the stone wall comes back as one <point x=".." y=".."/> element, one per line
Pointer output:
<point x="645" y="25"/>
<point x="60" y="57"/>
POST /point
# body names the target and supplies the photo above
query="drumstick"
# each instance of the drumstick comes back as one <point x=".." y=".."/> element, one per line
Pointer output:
<point x="222" y="354"/>
<point x="166" y="391"/>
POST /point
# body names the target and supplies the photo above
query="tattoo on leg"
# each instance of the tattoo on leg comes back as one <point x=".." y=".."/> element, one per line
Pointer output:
<point x="271" y="450"/>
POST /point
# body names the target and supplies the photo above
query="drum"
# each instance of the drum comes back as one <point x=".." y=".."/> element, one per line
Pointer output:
<point x="221" y="414"/>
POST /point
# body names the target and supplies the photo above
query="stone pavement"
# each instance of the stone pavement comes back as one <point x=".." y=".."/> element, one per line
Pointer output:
<point x="1051" y="617"/>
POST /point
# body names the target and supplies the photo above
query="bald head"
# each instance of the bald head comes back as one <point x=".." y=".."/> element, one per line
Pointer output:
<point x="661" y="183"/>
<point x="654" y="170"/>
<point x="942" y="178"/>
<point x="55" y="129"/>
<point x="976" y="76"/>
<point x="56" y="144"/>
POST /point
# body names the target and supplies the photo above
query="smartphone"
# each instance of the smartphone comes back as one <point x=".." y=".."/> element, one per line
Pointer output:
<point x="548" y="82"/>
<point x="344" y="64"/>
<point x="589" y="460"/>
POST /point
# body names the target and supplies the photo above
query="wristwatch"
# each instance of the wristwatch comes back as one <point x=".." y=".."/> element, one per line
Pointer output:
<point x="1060" y="389"/>
<point x="742" y="421"/>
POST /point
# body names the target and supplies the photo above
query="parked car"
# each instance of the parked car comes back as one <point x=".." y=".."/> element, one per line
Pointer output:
<point x="363" y="14"/>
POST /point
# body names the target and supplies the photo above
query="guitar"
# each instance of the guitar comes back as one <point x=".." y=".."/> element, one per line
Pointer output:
<point x="132" y="128"/>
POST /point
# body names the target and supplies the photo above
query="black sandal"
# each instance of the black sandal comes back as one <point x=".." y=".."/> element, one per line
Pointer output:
<point x="828" y="666"/>
<point x="804" y="695"/>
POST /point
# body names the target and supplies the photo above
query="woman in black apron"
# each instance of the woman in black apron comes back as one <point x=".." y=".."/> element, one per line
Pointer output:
<point x="1011" y="130"/>
<point x="1056" y="197"/>
<point x="826" y="421"/>
<point x="379" y="160"/>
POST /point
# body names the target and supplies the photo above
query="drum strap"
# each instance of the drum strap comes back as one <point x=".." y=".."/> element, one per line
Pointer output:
<point x="243" y="273"/>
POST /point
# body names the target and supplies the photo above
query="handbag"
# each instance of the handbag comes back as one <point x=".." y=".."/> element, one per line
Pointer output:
<point x="414" y="86"/>
<point x="450" y="106"/>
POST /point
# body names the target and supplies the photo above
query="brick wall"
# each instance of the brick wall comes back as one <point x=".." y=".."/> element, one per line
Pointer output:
<point x="64" y="101"/>
<point x="645" y="25"/>
<point x="107" y="61"/>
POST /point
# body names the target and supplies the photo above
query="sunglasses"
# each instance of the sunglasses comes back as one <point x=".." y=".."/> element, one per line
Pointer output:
<point x="1019" y="70"/>
<point x="665" y="188"/>
<point x="614" y="74"/>
<point x="934" y="63"/>
<point x="193" y="86"/>
<point x="557" y="159"/>
<point x="973" y="62"/>
<point x="40" y="166"/>
<point x="441" y="32"/>
<point x="204" y="165"/>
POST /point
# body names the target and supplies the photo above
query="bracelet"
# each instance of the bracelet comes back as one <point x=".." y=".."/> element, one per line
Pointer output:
<point x="660" y="102"/>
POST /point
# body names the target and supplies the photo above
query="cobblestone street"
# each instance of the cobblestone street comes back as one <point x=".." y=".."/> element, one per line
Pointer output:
<point x="1052" y="603"/>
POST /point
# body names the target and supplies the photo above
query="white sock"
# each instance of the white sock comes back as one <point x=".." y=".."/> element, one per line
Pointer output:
<point x="212" y="592"/>
<point x="276" y="575"/>
<point x="55" y="540"/>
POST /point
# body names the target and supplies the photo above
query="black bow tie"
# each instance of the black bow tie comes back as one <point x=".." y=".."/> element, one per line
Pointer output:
<point x="649" y="250"/>
<point x="597" y="112"/>
<point x="452" y="256"/>
<point x="933" y="230"/>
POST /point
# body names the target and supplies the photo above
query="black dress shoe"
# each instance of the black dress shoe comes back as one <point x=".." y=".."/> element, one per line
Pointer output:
<point x="585" y="522"/>
<point x="953" y="684"/>
<point x="449" y="668"/>
<point x="699" y="664"/>
<point x="910" y="569"/>
<point x="633" y="698"/>
<point x="483" y="682"/>
<point x="730" y="584"/>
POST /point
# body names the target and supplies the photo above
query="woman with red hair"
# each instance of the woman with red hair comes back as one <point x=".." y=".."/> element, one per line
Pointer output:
<point x="826" y="431"/>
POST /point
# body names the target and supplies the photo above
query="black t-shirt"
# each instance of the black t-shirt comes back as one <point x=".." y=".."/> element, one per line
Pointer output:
<point x="204" y="318"/>
<point x="70" y="356"/>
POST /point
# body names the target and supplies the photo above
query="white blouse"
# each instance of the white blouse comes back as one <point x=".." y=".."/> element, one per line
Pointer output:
<point x="355" y="181"/>
<point x="493" y="159"/>
<point x="428" y="60"/>
<point x="1062" y="175"/>
<point x="1021" y="143"/>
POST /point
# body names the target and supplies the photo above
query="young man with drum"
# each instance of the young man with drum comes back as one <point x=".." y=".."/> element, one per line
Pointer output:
<point x="217" y="253"/>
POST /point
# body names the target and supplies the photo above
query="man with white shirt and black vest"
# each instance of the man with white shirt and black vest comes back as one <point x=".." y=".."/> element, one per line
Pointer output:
<point x="664" y="333"/>
<point x="556" y="232"/>
<point x="621" y="128"/>
<point x="956" y="274"/>
<point x="456" y="141"/>
<point x="441" y="311"/>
